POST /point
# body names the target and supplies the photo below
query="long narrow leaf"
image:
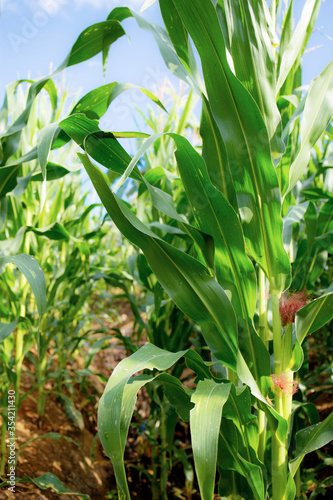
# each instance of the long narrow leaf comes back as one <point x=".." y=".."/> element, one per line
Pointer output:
<point x="299" y="39"/>
<point x="314" y="315"/>
<point x="209" y="399"/>
<point x="34" y="275"/>
<point x="186" y="280"/>
<point x="311" y="439"/>
<point x="318" y="111"/>
<point x="253" y="57"/>
<point x="245" y="136"/>
<point x="117" y="403"/>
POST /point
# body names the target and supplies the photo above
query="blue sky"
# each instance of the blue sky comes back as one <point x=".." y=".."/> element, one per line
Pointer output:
<point x="35" y="33"/>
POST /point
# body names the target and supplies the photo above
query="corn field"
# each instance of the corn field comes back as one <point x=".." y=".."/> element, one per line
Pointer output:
<point x="166" y="293"/>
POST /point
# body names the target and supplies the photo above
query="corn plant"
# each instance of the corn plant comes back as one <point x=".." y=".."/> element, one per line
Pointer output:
<point x="257" y="135"/>
<point x="155" y="314"/>
<point x="237" y="188"/>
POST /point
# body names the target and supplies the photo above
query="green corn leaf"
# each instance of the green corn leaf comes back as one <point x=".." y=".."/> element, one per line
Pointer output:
<point x="310" y="439"/>
<point x="286" y="32"/>
<point x="291" y="56"/>
<point x="233" y="455"/>
<point x="44" y="83"/>
<point x="50" y="481"/>
<point x="54" y="172"/>
<point x="205" y="420"/>
<point x="46" y="138"/>
<point x="78" y="126"/>
<point x="95" y="104"/>
<point x="176" y="394"/>
<point x="3" y="213"/>
<point x="90" y="42"/>
<point x="186" y="280"/>
<point x="253" y="57"/>
<point x="244" y="133"/>
<point x="215" y="155"/>
<point x="233" y="483"/>
<point x="21" y="186"/>
<point x="31" y="155"/>
<point x="238" y="409"/>
<point x="117" y="402"/>
<point x="30" y="268"/>
<point x="54" y="231"/>
<point x="295" y="214"/>
<point x="318" y="111"/>
<point x="195" y="363"/>
<point x="214" y="216"/>
<point x="72" y="412"/>
<point x="310" y="218"/>
<point x="8" y="179"/>
<point x="325" y="218"/>
<point x="176" y="31"/>
<point x="213" y="147"/>
<point x="234" y="271"/>
<point x="170" y="56"/>
<point x="6" y="329"/>
<point x="11" y="246"/>
<point x="316" y="194"/>
<point x="103" y="147"/>
<point x="314" y="315"/>
<point x="94" y="143"/>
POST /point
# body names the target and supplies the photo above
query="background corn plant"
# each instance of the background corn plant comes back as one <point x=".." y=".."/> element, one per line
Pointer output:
<point x="245" y="194"/>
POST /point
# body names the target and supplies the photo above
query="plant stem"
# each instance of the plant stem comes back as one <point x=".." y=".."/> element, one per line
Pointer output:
<point x="262" y="423"/>
<point x="263" y="330"/>
<point x="263" y="333"/>
<point x="19" y="340"/>
<point x="61" y="360"/>
<point x="279" y="450"/>
<point x="18" y="359"/>
<point x="154" y="486"/>
<point x="287" y="398"/>
<point x="40" y="376"/>
<point x="298" y="483"/>
<point x="163" y="459"/>
<point x="3" y="442"/>
<point x="287" y="346"/>
<point x="279" y="468"/>
<point x="277" y="339"/>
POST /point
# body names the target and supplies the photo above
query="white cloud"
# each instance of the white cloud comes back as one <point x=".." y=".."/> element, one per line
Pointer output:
<point x="55" y="7"/>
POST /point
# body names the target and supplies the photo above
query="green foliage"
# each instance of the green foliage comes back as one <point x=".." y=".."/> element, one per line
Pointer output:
<point x="246" y="212"/>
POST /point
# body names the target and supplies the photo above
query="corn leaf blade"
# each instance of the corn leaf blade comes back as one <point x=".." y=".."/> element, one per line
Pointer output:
<point x="241" y="124"/>
<point x="314" y="315"/>
<point x="209" y="399"/>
